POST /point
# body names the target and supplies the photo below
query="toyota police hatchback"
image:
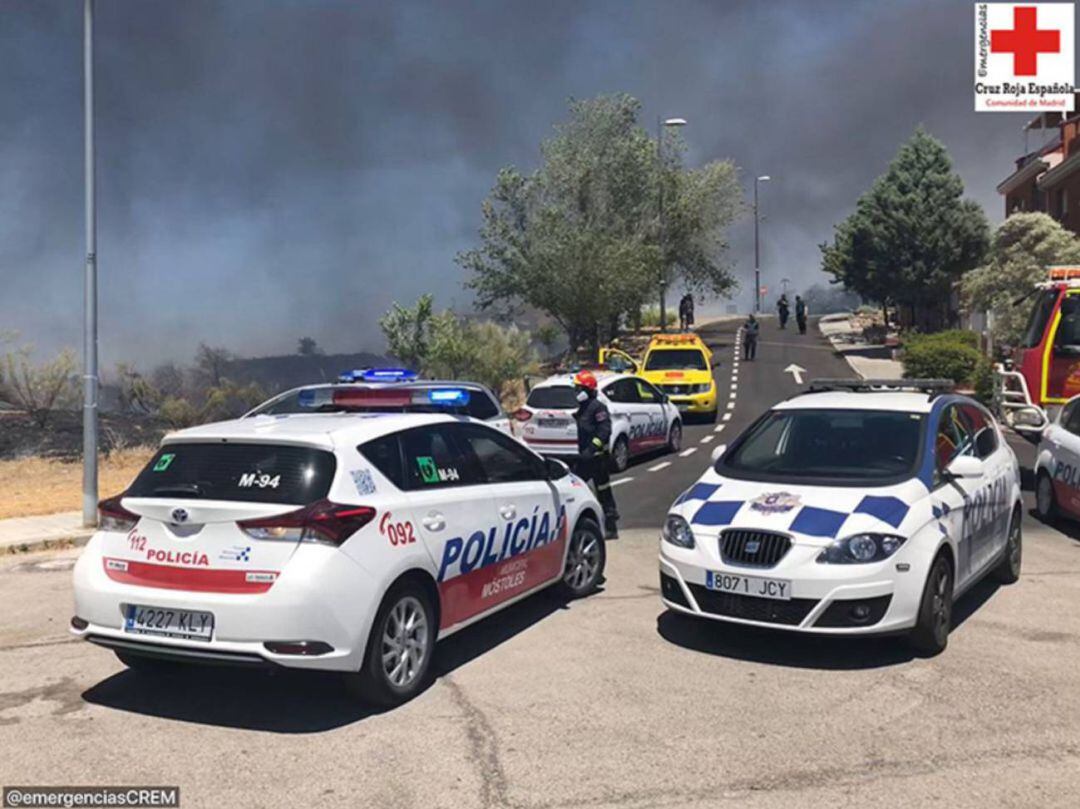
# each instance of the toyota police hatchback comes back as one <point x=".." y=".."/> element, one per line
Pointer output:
<point x="849" y="510"/>
<point x="330" y="541"/>
<point x="642" y="418"/>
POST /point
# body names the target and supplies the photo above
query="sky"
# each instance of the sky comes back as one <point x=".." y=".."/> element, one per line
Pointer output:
<point x="275" y="168"/>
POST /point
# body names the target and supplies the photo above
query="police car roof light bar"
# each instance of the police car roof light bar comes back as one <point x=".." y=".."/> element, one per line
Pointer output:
<point x="932" y="387"/>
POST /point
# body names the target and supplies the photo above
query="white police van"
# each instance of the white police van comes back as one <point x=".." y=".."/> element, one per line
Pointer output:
<point x="340" y="541"/>
<point x="860" y="507"/>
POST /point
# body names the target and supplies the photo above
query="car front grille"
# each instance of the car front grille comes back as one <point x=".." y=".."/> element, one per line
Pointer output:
<point x="748" y="548"/>
<point x="751" y="608"/>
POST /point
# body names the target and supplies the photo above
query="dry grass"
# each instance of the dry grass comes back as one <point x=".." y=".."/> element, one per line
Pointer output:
<point x="35" y="486"/>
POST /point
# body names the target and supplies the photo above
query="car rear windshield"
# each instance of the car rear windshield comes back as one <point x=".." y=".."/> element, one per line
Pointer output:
<point x="671" y="359"/>
<point x="258" y="473"/>
<point x="827" y="446"/>
<point x="557" y="397"/>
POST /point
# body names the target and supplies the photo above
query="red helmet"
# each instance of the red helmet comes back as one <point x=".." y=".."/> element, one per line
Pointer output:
<point x="585" y="379"/>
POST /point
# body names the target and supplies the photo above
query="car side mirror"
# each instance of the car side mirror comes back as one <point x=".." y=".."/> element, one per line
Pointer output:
<point x="966" y="466"/>
<point x="556" y="469"/>
<point x="718" y="452"/>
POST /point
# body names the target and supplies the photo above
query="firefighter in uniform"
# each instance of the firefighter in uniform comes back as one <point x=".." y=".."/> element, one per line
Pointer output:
<point x="594" y="437"/>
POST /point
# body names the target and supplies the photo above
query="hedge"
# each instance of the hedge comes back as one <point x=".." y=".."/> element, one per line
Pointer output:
<point x="940" y="359"/>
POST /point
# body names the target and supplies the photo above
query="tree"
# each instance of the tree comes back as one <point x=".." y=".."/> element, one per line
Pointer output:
<point x="307" y="347"/>
<point x="137" y="393"/>
<point x="579" y="238"/>
<point x="407" y="331"/>
<point x="37" y="388"/>
<point x="444" y="345"/>
<point x="912" y="235"/>
<point x="211" y="363"/>
<point x="1024" y="245"/>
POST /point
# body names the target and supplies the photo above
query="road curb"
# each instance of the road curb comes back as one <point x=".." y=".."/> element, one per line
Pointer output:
<point x="74" y="540"/>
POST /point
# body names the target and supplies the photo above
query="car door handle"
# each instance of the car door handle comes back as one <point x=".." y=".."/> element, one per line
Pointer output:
<point x="507" y="512"/>
<point x="434" y="521"/>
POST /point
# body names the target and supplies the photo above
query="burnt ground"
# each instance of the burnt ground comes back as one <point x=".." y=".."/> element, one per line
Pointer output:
<point x="61" y="438"/>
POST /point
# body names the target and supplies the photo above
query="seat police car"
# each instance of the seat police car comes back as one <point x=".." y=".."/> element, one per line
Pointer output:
<point x="1057" y="465"/>
<point x="642" y="418"/>
<point x="849" y="510"/>
<point x="345" y="542"/>
<point x="390" y="390"/>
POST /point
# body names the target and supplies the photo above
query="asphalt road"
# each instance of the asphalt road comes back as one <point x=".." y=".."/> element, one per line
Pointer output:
<point x="746" y="390"/>
<point x="607" y="701"/>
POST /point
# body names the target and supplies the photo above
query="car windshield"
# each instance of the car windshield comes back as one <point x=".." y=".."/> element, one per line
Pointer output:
<point x="828" y="446"/>
<point x="671" y="359"/>
<point x="557" y="397"/>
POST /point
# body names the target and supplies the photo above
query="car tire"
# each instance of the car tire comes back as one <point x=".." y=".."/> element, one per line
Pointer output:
<point x="1045" y="500"/>
<point x="1008" y="569"/>
<point x="674" y="439"/>
<point x="620" y="454"/>
<point x="145" y="664"/>
<point x="585" y="560"/>
<point x="406" y="618"/>
<point x="931" y="633"/>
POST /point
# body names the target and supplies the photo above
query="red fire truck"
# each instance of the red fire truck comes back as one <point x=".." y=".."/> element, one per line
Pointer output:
<point x="1043" y="371"/>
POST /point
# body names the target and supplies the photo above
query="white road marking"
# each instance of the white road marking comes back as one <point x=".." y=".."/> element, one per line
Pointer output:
<point x="620" y="481"/>
<point x="660" y="466"/>
<point x="727" y="417"/>
<point x="686" y="452"/>
<point x="796" y="371"/>
<point x="707" y="439"/>
<point x="731" y="405"/>
<point x="720" y="427"/>
<point x="734" y="386"/>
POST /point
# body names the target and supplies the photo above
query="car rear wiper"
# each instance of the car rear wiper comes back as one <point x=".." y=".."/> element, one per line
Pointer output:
<point x="179" y="489"/>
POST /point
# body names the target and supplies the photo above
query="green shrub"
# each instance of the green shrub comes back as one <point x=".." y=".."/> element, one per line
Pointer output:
<point x="983" y="381"/>
<point x="178" y="412"/>
<point x="940" y="359"/>
<point x="949" y="337"/>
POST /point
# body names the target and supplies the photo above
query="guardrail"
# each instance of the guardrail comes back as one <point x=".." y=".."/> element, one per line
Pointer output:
<point x="1014" y="404"/>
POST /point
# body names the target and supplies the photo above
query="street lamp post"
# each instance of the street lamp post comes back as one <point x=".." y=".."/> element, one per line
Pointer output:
<point x="661" y="123"/>
<point x="90" y="347"/>
<point x="757" y="249"/>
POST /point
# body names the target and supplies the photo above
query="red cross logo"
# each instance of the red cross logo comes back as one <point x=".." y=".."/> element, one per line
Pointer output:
<point x="1025" y="42"/>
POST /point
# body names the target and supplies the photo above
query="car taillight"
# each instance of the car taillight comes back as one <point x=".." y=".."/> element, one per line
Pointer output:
<point x="521" y="414"/>
<point x="114" y="517"/>
<point x="322" y="521"/>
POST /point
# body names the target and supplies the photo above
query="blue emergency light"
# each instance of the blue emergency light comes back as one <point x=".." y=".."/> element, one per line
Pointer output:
<point x="378" y="375"/>
<point x="448" y="397"/>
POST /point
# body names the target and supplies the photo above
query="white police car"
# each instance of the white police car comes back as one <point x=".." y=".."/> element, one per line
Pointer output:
<point x="642" y="418"/>
<point x="1057" y="465"/>
<point x="848" y="510"/>
<point x="340" y="541"/>
<point x="390" y="390"/>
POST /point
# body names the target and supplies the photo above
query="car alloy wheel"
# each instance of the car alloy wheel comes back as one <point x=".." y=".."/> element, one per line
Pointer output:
<point x="675" y="437"/>
<point x="585" y="560"/>
<point x="620" y="455"/>
<point x="941" y="606"/>
<point x="406" y="643"/>
<point x="1045" y="503"/>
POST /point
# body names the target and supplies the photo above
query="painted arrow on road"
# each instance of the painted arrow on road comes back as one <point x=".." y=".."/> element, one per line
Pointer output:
<point x="796" y="371"/>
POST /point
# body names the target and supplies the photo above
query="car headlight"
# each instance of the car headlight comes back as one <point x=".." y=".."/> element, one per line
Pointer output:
<point x="861" y="548"/>
<point x="702" y="388"/>
<point x="677" y="531"/>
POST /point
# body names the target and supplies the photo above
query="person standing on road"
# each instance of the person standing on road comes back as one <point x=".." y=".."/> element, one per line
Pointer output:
<point x="783" y="308"/>
<point x="594" y="438"/>
<point x="749" y="338"/>
<point x="800" y="314"/>
<point x="689" y="324"/>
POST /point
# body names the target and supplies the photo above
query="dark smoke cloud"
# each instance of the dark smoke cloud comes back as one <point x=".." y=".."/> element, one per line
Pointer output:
<point x="272" y="169"/>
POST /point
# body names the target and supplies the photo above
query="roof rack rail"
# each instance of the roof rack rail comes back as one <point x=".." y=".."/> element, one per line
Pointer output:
<point x="933" y="387"/>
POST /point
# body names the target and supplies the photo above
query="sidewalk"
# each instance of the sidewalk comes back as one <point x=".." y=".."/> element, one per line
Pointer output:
<point x="26" y="534"/>
<point x="868" y="361"/>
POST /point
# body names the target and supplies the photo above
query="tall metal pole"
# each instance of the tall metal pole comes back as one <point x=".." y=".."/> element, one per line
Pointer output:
<point x="757" y="254"/>
<point x="90" y="330"/>
<point x="663" y="251"/>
